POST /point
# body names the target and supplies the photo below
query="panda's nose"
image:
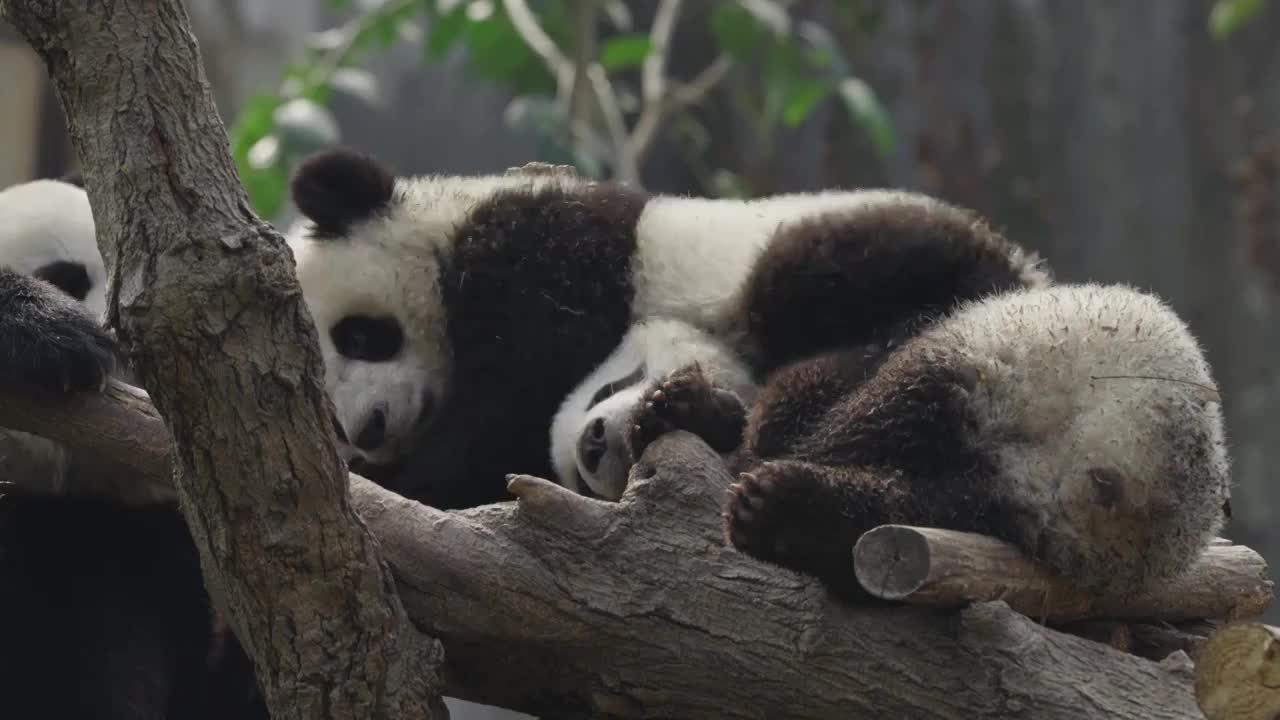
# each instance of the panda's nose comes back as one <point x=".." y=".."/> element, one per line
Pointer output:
<point x="374" y="431"/>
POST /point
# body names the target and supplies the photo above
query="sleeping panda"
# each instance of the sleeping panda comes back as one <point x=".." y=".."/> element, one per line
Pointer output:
<point x="456" y="314"/>
<point x="1079" y="423"/>
<point x="590" y="431"/>
<point x="104" y="613"/>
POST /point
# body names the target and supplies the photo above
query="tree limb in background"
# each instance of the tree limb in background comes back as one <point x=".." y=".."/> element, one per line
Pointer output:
<point x="204" y="293"/>
<point x="559" y="604"/>
<point x="660" y="98"/>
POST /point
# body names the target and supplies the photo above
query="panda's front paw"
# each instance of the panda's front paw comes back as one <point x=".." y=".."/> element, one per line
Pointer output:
<point x="49" y="341"/>
<point x="687" y="400"/>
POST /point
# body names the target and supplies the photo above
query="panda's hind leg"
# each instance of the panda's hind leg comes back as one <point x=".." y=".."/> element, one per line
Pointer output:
<point x="870" y="275"/>
<point x="829" y="456"/>
<point x="807" y="517"/>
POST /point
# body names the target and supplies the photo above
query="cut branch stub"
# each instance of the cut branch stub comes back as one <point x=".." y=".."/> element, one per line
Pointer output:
<point x="950" y="569"/>
<point x="1238" y="673"/>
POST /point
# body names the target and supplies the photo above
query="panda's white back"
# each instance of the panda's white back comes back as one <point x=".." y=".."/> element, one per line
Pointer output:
<point x="694" y="253"/>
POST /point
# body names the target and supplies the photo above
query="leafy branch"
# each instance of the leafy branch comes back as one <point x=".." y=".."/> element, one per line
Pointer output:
<point x="583" y="78"/>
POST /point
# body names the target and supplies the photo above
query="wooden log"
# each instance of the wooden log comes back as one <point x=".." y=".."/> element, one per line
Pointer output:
<point x="945" y="568"/>
<point x="1238" y="673"/>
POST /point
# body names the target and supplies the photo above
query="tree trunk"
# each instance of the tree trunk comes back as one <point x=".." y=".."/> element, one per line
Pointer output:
<point x="204" y="295"/>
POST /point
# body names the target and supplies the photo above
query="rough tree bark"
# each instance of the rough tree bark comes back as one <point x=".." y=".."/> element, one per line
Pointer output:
<point x="570" y="607"/>
<point x="204" y="295"/>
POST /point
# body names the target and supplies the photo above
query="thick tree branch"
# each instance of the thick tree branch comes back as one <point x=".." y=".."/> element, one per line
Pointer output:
<point x="559" y="603"/>
<point x="204" y="294"/>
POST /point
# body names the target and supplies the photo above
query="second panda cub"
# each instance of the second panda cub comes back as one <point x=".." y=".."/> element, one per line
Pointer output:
<point x="592" y="433"/>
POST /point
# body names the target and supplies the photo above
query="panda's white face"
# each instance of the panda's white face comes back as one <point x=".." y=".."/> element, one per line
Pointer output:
<point x="377" y="311"/>
<point x="372" y="286"/>
<point x="47" y="231"/>
<point x="588" y="433"/>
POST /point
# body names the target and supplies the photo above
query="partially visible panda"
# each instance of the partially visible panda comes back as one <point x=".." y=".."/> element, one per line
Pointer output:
<point x="590" y="433"/>
<point x="104" y="613"/>
<point x="456" y="314"/>
<point x="48" y="233"/>
<point x="1080" y="423"/>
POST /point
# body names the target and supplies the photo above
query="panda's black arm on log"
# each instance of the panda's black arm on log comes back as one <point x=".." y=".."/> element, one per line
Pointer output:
<point x="48" y="341"/>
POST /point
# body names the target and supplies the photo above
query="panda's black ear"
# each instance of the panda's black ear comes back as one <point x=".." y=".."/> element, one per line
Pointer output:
<point x="337" y="187"/>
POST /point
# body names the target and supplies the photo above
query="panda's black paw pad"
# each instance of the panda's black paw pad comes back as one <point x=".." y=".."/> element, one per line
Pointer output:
<point x="681" y="401"/>
<point x="771" y="516"/>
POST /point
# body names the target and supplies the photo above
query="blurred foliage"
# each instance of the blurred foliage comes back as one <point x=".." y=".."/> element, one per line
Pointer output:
<point x="1227" y="16"/>
<point x="799" y="66"/>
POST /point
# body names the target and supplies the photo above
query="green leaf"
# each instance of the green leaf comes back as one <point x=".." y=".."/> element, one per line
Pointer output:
<point x="802" y="99"/>
<point x="865" y="108"/>
<point x="302" y="123"/>
<point x="497" y="53"/>
<point x="268" y="189"/>
<point x="824" y="51"/>
<point x="445" y="31"/>
<point x="769" y="14"/>
<point x="254" y="123"/>
<point x="357" y="83"/>
<point x="1227" y="16"/>
<point x="736" y="30"/>
<point x="624" y="51"/>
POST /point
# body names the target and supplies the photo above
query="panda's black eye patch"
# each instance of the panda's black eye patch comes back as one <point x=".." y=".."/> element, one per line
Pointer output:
<point x="612" y="388"/>
<point x="69" y="277"/>
<point x="371" y="339"/>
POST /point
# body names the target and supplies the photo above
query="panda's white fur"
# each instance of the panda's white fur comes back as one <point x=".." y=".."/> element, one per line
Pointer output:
<point x="1088" y="385"/>
<point x="692" y="257"/>
<point x="650" y="351"/>
<point x="47" y="221"/>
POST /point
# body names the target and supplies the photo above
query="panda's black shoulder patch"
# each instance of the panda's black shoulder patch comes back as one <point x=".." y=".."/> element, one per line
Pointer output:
<point x="337" y="187"/>
<point x="69" y="277"/>
<point x="538" y="291"/>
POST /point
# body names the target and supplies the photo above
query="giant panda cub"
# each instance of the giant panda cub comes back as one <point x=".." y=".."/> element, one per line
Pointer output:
<point x="104" y="613"/>
<point x="1080" y="423"/>
<point x="456" y="314"/>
